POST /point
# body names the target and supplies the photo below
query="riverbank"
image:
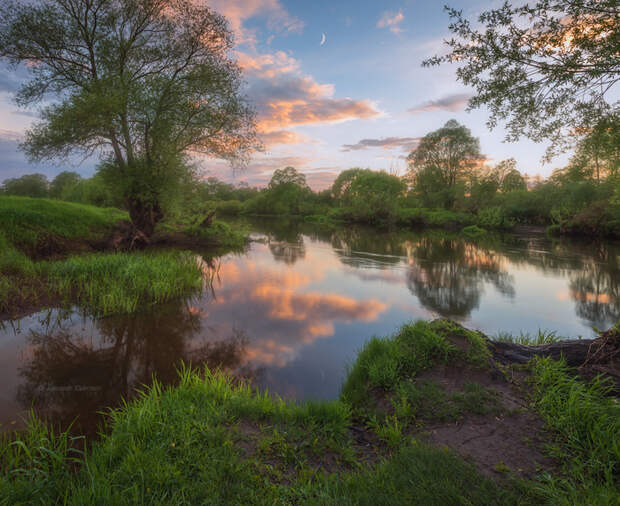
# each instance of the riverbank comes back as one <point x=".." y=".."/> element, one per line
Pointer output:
<point x="590" y="222"/>
<point x="55" y="253"/>
<point x="425" y="416"/>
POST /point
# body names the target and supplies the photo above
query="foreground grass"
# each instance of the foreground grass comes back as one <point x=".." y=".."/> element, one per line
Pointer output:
<point x="388" y="367"/>
<point x="585" y="423"/>
<point x="210" y="440"/>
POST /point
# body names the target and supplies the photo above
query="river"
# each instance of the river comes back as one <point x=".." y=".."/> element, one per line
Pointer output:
<point x="292" y="311"/>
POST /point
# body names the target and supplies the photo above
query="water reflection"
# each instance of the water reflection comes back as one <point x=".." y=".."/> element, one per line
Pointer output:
<point x="75" y="373"/>
<point x="447" y="275"/>
<point x="594" y="287"/>
<point x="293" y="311"/>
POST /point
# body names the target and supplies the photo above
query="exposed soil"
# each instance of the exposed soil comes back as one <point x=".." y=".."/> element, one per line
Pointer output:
<point x="510" y="440"/>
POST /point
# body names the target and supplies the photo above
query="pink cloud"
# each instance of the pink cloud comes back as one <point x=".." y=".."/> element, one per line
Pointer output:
<point x="282" y="137"/>
<point x="391" y="20"/>
<point x="286" y="97"/>
<point x="238" y="11"/>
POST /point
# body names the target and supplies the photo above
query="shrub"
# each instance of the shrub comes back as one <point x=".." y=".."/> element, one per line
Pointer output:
<point x="229" y="208"/>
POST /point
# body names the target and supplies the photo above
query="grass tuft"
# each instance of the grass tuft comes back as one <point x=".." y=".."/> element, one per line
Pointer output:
<point x="104" y="284"/>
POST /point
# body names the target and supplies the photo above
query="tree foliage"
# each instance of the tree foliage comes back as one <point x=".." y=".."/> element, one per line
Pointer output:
<point x="287" y="176"/>
<point x="29" y="185"/>
<point x="144" y="83"/>
<point x="549" y="69"/>
<point x="63" y="183"/>
<point x="443" y="159"/>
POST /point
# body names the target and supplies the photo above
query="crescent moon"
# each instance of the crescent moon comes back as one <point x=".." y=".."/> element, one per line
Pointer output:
<point x="323" y="39"/>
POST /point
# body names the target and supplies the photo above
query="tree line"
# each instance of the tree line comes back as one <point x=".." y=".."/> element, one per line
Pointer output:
<point x="146" y="84"/>
<point x="447" y="183"/>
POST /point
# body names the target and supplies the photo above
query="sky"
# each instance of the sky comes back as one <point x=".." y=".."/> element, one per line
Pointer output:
<point x="335" y="85"/>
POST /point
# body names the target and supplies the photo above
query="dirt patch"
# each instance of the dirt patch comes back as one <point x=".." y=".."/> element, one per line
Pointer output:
<point x="495" y="444"/>
<point x="454" y="379"/>
<point x="509" y="439"/>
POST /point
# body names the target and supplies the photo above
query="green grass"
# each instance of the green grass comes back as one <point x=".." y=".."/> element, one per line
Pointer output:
<point x="37" y="466"/>
<point x="209" y="441"/>
<point x="387" y="366"/>
<point x="473" y="231"/>
<point x="26" y="221"/>
<point x="585" y="419"/>
<point x="218" y="234"/>
<point x="107" y="283"/>
<point x="527" y="339"/>
<point x="101" y="284"/>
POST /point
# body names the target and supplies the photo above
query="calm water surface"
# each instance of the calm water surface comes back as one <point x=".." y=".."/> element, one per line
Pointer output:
<point x="293" y="311"/>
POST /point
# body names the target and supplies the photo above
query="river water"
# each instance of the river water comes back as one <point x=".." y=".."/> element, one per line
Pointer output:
<point x="292" y="311"/>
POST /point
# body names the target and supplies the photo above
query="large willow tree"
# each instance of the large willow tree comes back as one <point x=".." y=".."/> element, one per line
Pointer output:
<point x="142" y="83"/>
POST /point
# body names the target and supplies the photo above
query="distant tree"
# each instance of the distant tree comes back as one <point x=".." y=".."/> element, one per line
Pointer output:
<point x="598" y="152"/>
<point x="446" y="156"/>
<point x="547" y="68"/>
<point x="287" y="191"/>
<point x="483" y="188"/>
<point x="287" y="175"/>
<point x="373" y="196"/>
<point x="342" y="183"/>
<point x="62" y="184"/>
<point x="217" y="190"/>
<point x="93" y="191"/>
<point x="144" y="83"/>
<point x="513" y="181"/>
<point x="30" y="185"/>
<point x="508" y="177"/>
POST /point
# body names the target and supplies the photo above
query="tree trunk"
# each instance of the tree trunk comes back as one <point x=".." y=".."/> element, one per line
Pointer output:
<point x="144" y="216"/>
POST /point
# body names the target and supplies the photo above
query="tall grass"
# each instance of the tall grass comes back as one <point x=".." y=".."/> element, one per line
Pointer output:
<point x="527" y="339"/>
<point x="105" y="283"/>
<point x="586" y="420"/>
<point x="36" y="465"/>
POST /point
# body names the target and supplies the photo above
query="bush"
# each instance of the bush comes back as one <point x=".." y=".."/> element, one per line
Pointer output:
<point x="494" y="217"/>
<point x="218" y="234"/>
<point x="229" y="208"/>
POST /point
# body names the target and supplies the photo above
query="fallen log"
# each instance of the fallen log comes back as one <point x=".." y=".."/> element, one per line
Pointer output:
<point x="589" y="356"/>
<point x="574" y="352"/>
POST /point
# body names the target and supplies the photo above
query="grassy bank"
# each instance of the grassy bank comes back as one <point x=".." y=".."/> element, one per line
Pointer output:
<point x="212" y="441"/>
<point x="47" y="258"/>
<point x="30" y="224"/>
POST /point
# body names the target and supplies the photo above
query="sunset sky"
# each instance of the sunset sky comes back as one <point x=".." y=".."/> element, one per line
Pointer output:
<point x="359" y="99"/>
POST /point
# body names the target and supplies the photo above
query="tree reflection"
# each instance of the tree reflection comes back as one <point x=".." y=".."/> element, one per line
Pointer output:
<point x="363" y="247"/>
<point x="595" y="287"/>
<point x="75" y="376"/>
<point x="287" y="252"/>
<point x="447" y="275"/>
